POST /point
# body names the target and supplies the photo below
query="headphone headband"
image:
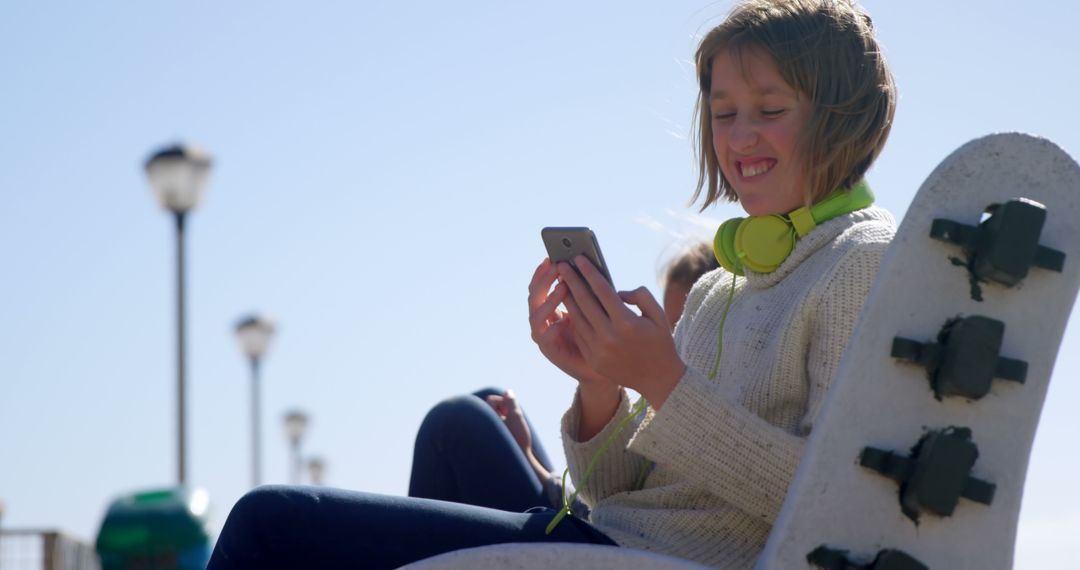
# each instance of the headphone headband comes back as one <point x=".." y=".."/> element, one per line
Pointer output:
<point x="834" y="205"/>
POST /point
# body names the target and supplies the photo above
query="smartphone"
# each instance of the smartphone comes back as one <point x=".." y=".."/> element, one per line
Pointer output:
<point x="564" y="244"/>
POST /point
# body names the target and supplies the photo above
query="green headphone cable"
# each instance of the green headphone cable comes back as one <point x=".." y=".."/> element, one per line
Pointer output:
<point x="569" y="500"/>
<point x="720" y="335"/>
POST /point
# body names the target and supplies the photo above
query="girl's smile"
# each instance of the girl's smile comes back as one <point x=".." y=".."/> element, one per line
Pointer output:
<point x="751" y="168"/>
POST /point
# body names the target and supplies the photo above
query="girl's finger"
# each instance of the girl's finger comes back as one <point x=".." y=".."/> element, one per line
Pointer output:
<point x="582" y="331"/>
<point x="581" y="324"/>
<point x="544" y="315"/>
<point x="540" y="283"/>
<point x="583" y="296"/>
<point x="643" y="299"/>
<point x="601" y="288"/>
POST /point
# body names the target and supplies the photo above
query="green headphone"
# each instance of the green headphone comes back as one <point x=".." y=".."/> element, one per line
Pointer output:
<point x="762" y="243"/>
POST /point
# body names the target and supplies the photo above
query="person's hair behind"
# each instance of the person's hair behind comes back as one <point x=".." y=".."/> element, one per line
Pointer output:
<point x="688" y="267"/>
<point x="826" y="51"/>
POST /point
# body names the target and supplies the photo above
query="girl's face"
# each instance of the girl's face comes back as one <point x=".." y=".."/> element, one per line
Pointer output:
<point x="756" y="121"/>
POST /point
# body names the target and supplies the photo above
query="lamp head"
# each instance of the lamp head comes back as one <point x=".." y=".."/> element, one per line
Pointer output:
<point x="296" y="423"/>
<point x="178" y="176"/>
<point x="316" y="470"/>
<point x="254" y="333"/>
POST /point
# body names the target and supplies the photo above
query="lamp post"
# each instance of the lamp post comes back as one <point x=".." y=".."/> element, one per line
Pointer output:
<point x="178" y="175"/>
<point x="316" y="469"/>
<point x="254" y="333"/>
<point x="296" y="423"/>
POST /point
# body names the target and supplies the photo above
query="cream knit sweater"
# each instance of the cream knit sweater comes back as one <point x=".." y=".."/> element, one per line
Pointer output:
<point x="725" y="450"/>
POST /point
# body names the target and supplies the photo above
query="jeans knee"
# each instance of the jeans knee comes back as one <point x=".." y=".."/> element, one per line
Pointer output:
<point x="453" y="417"/>
<point x="448" y="412"/>
<point x="483" y="393"/>
<point x="264" y="526"/>
<point x="266" y="503"/>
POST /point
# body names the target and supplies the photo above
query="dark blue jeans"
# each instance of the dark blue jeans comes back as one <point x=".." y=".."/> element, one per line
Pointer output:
<point x="316" y="527"/>
<point x="465" y="454"/>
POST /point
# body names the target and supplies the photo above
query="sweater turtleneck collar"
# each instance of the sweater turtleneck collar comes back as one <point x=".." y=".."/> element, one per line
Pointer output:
<point x="813" y="241"/>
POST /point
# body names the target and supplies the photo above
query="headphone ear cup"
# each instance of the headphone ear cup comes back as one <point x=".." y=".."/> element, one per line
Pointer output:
<point x="724" y="246"/>
<point x="762" y="243"/>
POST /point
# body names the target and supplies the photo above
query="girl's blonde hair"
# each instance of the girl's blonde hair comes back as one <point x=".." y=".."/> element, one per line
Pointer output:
<point x="826" y="51"/>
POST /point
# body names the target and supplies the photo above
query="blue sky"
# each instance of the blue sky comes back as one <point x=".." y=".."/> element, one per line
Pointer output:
<point x="382" y="171"/>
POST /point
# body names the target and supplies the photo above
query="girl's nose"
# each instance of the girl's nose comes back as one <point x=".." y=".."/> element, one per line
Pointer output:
<point x="743" y="135"/>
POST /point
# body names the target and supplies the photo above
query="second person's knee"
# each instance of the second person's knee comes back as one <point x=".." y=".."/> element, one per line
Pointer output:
<point x="453" y="416"/>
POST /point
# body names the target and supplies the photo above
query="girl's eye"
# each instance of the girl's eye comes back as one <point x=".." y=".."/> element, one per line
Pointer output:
<point x="772" y="112"/>
<point x="723" y="116"/>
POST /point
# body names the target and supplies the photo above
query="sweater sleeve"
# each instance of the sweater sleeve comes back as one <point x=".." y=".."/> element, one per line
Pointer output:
<point x="708" y="437"/>
<point x="616" y="468"/>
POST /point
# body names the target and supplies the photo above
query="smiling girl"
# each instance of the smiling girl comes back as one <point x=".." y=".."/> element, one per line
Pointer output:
<point x="795" y="103"/>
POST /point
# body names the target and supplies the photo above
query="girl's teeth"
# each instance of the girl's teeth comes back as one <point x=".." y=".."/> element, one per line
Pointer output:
<point x="755" y="169"/>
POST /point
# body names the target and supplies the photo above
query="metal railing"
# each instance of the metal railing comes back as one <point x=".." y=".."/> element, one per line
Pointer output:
<point x="32" y="549"/>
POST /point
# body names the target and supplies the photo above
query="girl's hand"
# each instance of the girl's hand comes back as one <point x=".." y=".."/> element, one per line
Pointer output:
<point x="553" y="330"/>
<point x="616" y="342"/>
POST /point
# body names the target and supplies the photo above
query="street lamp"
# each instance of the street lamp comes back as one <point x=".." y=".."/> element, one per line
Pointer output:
<point x="178" y="177"/>
<point x="254" y="334"/>
<point x="316" y="469"/>
<point x="296" y="423"/>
